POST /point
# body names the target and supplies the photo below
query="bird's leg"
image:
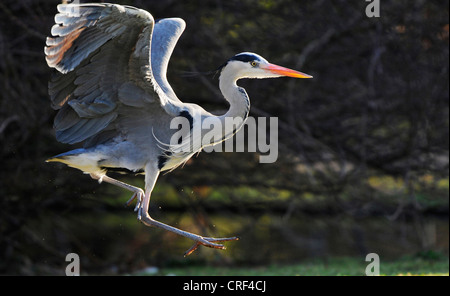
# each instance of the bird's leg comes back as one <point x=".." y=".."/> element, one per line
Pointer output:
<point x="211" y="242"/>
<point x="138" y="192"/>
<point x="144" y="217"/>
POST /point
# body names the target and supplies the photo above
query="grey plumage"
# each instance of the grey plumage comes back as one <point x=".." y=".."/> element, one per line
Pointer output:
<point x="102" y="53"/>
<point x="112" y="93"/>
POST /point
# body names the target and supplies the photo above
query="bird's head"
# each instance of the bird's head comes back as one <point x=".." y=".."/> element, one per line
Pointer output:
<point x="251" y="65"/>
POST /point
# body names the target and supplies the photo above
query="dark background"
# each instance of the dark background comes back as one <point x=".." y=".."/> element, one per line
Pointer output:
<point x="363" y="147"/>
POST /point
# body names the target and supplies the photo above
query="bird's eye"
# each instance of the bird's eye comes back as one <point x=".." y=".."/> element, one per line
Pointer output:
<point x="253" y="63"/>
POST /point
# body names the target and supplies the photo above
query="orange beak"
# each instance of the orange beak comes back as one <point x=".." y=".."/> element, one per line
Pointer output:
<point x="286" y="72"/>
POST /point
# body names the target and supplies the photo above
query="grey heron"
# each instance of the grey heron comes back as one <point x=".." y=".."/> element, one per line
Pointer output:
<point x="113" y="96"/>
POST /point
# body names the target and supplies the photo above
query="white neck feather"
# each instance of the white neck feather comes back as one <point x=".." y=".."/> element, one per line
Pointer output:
<point x="236" y="97"/>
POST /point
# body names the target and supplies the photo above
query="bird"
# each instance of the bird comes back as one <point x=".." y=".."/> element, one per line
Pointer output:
<point x="110" y="88"/>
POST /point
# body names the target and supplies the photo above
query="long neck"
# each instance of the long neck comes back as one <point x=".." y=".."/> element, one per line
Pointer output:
<point x="239" y="102"/>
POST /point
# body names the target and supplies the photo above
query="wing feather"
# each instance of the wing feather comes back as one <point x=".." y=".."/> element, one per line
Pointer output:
<point x="89" y="127"/>
<point x="165" y="36"/>
<point x="109" y="57"/>
<point x="92" y="66"/>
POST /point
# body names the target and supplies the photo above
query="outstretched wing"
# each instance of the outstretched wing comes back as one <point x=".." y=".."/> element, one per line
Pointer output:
<point x="102" y="53"/>
<point x="165" y="36"/>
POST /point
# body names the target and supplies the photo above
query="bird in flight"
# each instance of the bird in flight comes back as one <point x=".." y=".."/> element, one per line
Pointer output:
<point x="113" y="96"/>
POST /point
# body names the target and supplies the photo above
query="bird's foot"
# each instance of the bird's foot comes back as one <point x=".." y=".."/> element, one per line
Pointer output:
<point x="209" y="242"/>
<point x="139" y="195"/>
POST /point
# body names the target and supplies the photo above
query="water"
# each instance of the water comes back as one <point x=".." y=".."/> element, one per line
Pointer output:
<point x="116" y="241"/>
<point x="270" y="238"/>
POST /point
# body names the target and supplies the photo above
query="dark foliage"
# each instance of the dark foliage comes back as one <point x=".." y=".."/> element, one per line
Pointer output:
<point x="378" y="105"/>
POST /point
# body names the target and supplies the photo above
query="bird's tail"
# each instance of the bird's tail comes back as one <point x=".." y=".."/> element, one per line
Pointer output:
<point x="63" y="157"/>
<point x="85" y="160"/>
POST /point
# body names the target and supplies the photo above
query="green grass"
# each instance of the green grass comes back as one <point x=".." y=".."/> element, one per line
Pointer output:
<point x="333" y="267"/>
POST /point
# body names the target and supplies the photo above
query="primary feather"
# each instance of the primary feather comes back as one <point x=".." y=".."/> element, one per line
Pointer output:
<point x="111" y="83"/>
